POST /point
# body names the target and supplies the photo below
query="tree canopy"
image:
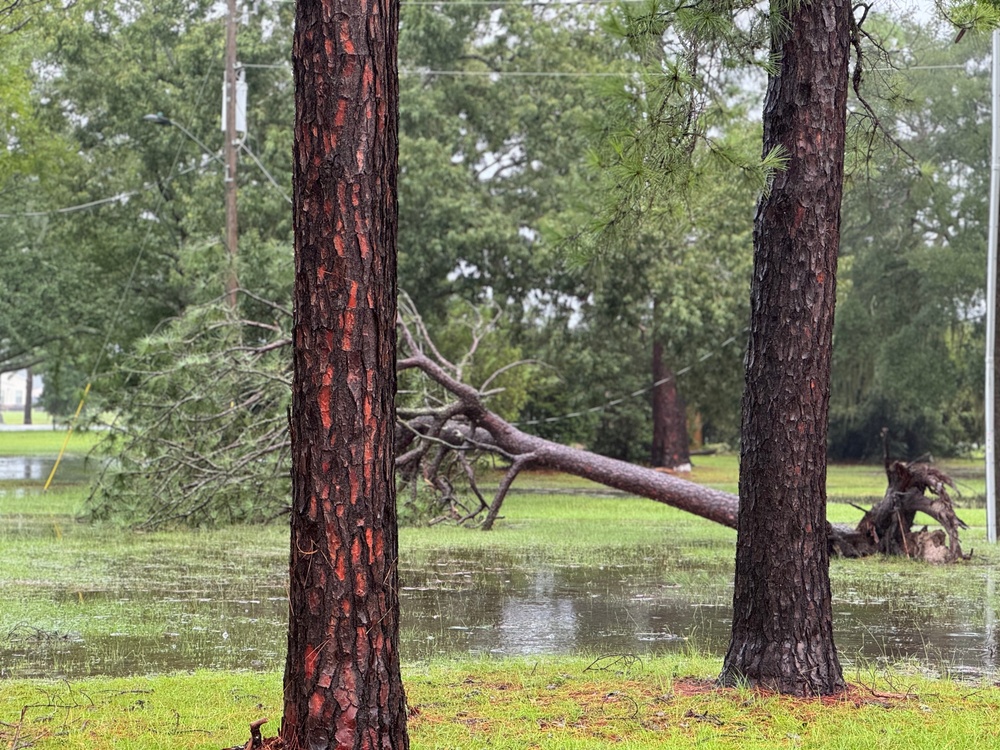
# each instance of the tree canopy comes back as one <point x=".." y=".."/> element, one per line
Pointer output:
<point x="550" y="183"/>
<point x="909" y="332"/>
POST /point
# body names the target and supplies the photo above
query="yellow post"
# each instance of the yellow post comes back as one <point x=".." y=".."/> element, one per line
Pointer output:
<point x="69" y="432"/>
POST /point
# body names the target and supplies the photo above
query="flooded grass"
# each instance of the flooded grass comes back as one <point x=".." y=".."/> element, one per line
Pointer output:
<point x="27" y="458"/>
<point x="561" y="574"/>
<point x="80" y="599"/>
<point x="511" y="639"/>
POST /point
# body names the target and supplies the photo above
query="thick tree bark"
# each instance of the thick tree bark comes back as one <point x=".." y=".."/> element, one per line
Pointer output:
<point x="342" y="686"/>
<point x="782" y="620"/>
<point x="670" y="437"/>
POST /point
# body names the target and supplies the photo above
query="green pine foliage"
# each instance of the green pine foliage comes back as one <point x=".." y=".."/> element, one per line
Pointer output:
<point x="201" y="437"/>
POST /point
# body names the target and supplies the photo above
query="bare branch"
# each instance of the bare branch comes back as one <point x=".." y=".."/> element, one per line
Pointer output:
<point x="505" y="368"/>
<point x="406" y="303"/>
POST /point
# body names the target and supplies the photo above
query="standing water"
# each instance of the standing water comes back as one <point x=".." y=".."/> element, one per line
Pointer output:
<point x="77" y="599"/>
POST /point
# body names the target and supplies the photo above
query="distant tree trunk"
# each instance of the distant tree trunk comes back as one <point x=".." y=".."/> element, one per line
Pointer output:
<point x="670" y="436"/>
<point x="342" y="686"/>
<point x="28" y="391"/>
<point x="782" y="620"/>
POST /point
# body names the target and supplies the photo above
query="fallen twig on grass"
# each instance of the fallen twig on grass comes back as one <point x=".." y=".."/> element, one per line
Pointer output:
<point x="257" y="740"/>
<point x="625" y="661"/>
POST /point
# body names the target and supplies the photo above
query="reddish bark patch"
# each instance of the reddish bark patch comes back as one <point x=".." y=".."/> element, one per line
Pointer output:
<point x="312" y="656"/>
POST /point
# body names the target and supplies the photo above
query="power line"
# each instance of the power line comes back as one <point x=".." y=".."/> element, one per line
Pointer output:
<point x="116" y="315"/>
<point x="623" y="74"/>
<point x="118" y="197"/>
<point x="517" y="3"/>
<point x="512" y="73"/>
<point x="263" y="169"/>
<point x="71" y="209"/>
<point x="920" y="67"/>
<point x="563" y="74"/>
<point x="482" y="73"/>
<point x="503" y="3"/>
<point x="124" y="196"/>
<point x="145" y="241"/>
<point x="634" y="394"/>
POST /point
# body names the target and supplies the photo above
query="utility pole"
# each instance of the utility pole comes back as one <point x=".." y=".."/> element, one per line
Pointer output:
<point x="991" y="305"/>
<point x="231" y="148"/>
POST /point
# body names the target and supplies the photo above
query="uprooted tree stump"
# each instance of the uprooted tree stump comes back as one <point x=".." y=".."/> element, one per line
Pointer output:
<point x="887" y="528"/>
<point x="429" y="441"/>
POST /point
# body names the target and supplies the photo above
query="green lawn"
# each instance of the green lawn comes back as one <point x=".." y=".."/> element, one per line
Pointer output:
<point x="16" y="417"/>
<point x="45" y="442"/>
<point x="844" y="480"/>
<point x="550" y="704"/>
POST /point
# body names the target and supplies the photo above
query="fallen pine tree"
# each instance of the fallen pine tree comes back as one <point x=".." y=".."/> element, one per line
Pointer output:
<point x="171" y="468"/>
<point x="428" y="438"/>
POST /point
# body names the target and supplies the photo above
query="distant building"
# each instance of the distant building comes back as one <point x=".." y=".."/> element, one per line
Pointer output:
<point x="14" y="389"/>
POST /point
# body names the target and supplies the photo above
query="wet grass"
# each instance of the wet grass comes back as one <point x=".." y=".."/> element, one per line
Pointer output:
<point x="563" y="528"/>
<point x="45" y="442"/>
<point x="200" y="710"/>
<point x="89" y="599"/>
<point x="845" y="481"/>
<point x="551" y="704"/>
<point x="79" y="599"/>
<point x="673" y="703"/>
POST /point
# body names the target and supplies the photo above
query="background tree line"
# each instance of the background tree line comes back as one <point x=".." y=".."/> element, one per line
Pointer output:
<point x="519" y="125"/>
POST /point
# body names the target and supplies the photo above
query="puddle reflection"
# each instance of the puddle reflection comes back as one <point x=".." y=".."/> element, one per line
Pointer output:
<point x="37" y="468"/>
<point x="457" y="606"/>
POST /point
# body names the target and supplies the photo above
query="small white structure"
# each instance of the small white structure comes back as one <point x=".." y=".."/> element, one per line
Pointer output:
<point x="14" y="389"/>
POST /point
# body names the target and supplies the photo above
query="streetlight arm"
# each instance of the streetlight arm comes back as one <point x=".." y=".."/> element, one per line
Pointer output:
<point x="160" y="119"/>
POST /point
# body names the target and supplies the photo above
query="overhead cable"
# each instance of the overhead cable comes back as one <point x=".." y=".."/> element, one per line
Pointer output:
<point x="263" y="169"/>
<point x="118" y="197"/>
<point x="634" y="394"/>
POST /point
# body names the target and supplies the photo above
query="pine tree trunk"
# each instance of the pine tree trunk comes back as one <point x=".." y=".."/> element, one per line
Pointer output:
<point x="670" y="438"/>
<point x="782" y="622"/>
<point x="28" y="393"/>
<point x="342" y="686"/>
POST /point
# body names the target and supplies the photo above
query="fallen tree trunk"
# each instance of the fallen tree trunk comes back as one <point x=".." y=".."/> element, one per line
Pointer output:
<point x="488" y="432"/>
<point x="426" y="437"/>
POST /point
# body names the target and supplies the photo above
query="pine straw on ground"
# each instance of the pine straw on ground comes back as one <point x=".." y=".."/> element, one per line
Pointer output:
<point x="601" y="713"/>
<point x="550" y="704"/>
